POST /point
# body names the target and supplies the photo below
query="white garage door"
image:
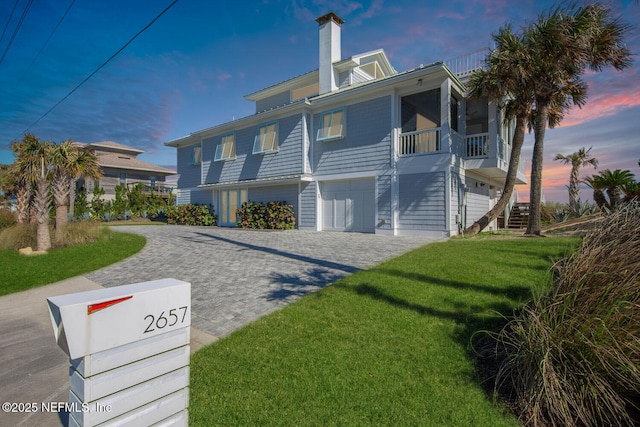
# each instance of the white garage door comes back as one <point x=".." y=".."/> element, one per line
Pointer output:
<point x="349" y="205"/>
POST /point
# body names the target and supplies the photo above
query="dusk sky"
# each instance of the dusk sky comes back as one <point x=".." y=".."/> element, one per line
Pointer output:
<point x="191" y="69"/>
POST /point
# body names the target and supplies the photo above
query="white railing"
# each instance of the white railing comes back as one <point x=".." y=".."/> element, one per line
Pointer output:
<point x="421" y="141"/>
<point x="464" y="65"/>
<point x="477" y="145"/>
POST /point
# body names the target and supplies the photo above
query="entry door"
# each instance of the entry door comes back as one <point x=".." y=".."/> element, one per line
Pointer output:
<point x="230" y="201"/>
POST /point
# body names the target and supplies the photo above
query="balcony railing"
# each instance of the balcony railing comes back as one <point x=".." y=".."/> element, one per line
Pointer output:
<point x="418" y="142"/>
<point x="146" y="188"/>
<point x="477" y="145"/>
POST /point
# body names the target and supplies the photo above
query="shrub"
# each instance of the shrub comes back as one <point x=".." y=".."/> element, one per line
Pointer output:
<point x="18" y="236"/>
<point x="273" y="215"/>
<point x="190" y="214"/>
<point x="80" y="203"/>
<point x="75" y="233"/>
<point x="572" y="357"/>
<point x="7" y="218"/>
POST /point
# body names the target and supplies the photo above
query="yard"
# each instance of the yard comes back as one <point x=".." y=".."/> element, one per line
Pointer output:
<point x="385" y="346"/>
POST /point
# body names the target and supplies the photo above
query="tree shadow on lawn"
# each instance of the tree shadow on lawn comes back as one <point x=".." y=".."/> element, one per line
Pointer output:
<point x="475" y="329"/>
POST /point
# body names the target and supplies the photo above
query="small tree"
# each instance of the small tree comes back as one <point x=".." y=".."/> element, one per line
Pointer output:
<point x="578" y="159"/>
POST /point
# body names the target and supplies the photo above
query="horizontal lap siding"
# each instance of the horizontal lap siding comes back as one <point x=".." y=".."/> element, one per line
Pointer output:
<point x="477" y="200"/>
<point x="248" y="166"/>
<point x="367" y="144"/>
<point x="189" y="174"/>
<point x="384" y="201"/>
<point x="422" y="201"/>
<point x="308" y="205"/>
<point x="273" y="101"/>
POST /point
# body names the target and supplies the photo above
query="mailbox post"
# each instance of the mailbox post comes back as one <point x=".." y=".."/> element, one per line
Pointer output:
<point x="129" y="353"/>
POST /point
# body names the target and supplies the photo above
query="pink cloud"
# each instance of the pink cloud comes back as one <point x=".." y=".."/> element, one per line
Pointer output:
<point x="223" y="76"/>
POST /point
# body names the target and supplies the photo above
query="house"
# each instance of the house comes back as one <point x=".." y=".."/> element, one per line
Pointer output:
<point x="120" y="166"/>
<point x="355" y="146"/>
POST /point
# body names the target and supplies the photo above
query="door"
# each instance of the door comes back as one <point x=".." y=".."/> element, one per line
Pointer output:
<point x="349" y="205"/>
<point x="230" y="201"/>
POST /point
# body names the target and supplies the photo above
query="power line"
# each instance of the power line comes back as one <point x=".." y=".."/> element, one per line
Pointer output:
<point x="15" y="31"/>
<point x="9" y="20"/>
<point x="50" y="35"/>
<point x="101" y="66"/>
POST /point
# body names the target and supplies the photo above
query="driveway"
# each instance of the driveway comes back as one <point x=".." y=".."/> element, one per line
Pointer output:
<point x="238" y="276"/>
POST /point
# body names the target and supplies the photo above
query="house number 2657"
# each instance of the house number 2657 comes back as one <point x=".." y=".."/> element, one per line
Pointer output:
<point x="165" y="319"/>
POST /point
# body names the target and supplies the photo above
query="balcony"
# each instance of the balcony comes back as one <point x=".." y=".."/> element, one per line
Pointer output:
<point x="420" y="142"/>
<point x="160" y="190"/>
<point x="477" y="145"/>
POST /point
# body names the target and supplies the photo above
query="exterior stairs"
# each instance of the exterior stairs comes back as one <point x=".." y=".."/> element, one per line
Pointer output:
<point x="519" y="216"/>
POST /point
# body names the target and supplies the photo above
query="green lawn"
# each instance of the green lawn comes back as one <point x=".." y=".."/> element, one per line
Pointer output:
<point x="386" y="346"/>
<point x="19" y="273"/>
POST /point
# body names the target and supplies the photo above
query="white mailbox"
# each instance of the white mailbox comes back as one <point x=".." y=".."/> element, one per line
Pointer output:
<point x="129" y="352"/>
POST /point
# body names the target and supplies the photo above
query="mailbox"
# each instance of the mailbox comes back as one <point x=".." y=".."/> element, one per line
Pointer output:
<point x="129" y="352"/>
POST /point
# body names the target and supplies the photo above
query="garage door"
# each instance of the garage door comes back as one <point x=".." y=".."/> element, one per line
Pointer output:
<point x="348" y="205"/>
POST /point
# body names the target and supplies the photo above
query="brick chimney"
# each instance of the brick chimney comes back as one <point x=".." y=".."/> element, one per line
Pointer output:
<point x="329" y="50"/>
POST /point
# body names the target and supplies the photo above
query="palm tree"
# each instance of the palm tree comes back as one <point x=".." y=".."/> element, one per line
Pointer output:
<point x="85" y="166"/>
<point x="595" y="182"/>
<point x="614" y="182"/>
<point x="578" y="159"/>
<point x="32" y="167"/>
<point x="562" y="45"/>
<point x="503" y="81"/>
<point x="69" y="162"/>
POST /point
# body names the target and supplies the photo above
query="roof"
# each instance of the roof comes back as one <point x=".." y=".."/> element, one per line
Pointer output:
<point x="122" y="161"/>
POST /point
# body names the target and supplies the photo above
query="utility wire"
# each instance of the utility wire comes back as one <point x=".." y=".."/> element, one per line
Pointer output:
<point x="101" y="66"/>
<point x="15" y="32"/>
<point x="9" y="20"/>
<point x="50" y="35"/>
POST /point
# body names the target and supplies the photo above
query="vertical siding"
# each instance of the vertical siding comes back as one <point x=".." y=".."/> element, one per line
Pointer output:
<point x="189" y="174"/>
<point x="247" y="166"/>
<point x="383" y="198"/>
<point x="422" y="201"/>
<point x="367" y="143"/>
<point x="308" y="200"/>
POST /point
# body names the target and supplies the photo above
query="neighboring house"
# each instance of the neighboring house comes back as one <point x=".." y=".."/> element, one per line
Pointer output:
<point x="120" y="166"/>
<point x="355" y="146"/>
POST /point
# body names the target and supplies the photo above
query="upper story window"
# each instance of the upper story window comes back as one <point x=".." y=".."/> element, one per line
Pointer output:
<point x="226" y="150"/>
<point x="266" y="138"/>
<point x="196" y="154"/>
<point x="331" y="125"/>
<point x="421" y="111"/>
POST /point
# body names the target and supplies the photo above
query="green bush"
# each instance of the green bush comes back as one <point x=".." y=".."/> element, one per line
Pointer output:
<point x="273" y="216"/>
<point x="190" y="214"/>
<point x="572" y="357"/>
<point x="7" y="218"/>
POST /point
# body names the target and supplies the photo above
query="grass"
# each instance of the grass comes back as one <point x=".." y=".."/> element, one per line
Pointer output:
<point x="385" y="346"/>
<point x="19" y="273"/>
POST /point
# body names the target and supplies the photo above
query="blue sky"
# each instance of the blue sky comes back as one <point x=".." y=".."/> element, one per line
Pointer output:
<point x="192" y="68"/>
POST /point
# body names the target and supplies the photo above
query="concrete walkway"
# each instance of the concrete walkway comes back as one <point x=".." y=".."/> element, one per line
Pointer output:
<point x="236" y="275"/>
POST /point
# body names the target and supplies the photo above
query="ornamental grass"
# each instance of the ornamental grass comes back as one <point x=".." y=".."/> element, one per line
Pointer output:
<point x="572" y="357"/>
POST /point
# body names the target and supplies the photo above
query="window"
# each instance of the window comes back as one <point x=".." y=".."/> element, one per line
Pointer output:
<point x="266" y="138"/>
<point x="421" y="111"/>
<point x="226" y="150"/>
<point x="477" y="115"/>
<point x="454" y="113"/>
<point x="331" y="125"/>
<point x="123" y="179"/>
<point x="196" y="154"/>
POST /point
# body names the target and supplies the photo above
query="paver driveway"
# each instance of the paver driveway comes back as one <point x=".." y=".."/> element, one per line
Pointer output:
<point x="239" y="275"/>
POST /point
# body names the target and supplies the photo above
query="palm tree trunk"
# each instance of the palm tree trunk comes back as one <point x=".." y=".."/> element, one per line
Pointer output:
<point x="509" y="184"/>
<point x="574" y="191"/>
<point x="42" y="204"/>
<point x="23" y="199"/>
<point x="535" y="204"/>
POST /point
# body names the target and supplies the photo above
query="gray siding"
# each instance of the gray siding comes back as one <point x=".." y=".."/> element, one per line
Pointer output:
<point x="273" y="101"/>
<point x="477" y="200"/>
<point x="384" y="202"/>
<point x="248" y="166"/>
<point x="189" y="174"/>
<point x="367" y="144"/>
<point x="276" y="193"/>
<point x="308" y="199"/>
<point x="422" y="201"/>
